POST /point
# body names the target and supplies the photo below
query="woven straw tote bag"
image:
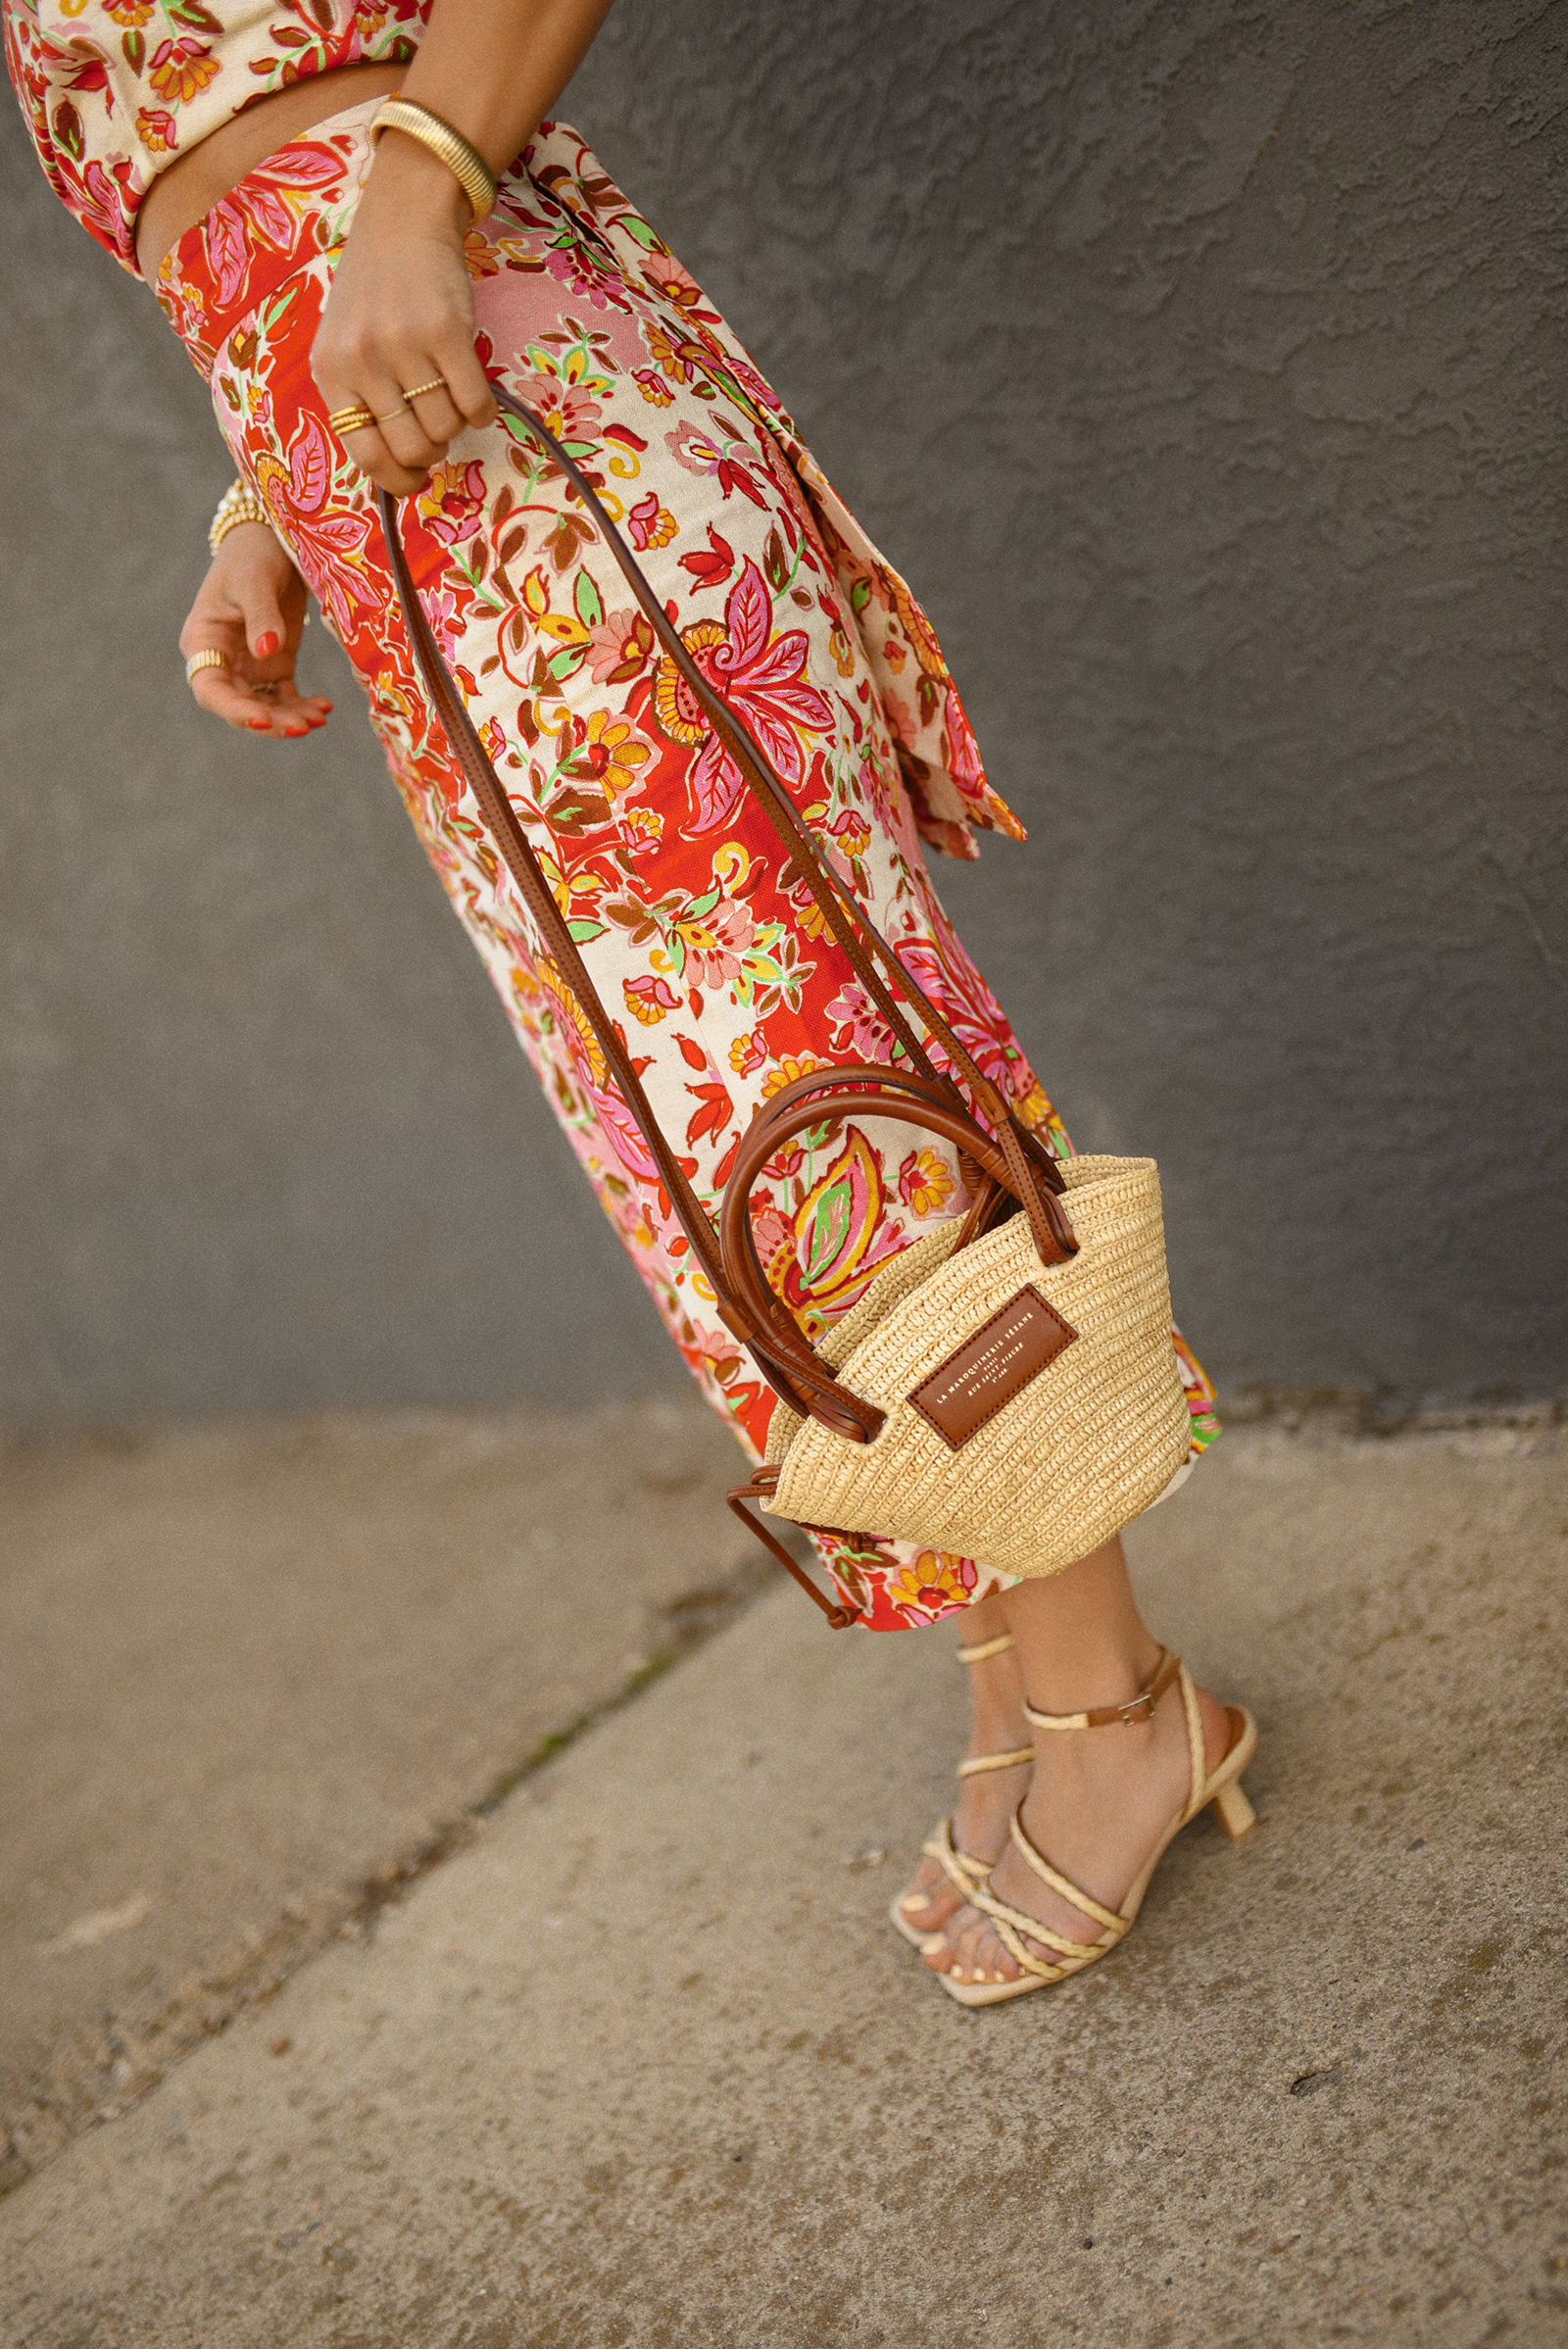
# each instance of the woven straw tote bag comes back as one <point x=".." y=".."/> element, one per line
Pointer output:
<point x="1006" y="1390"/>
<point x="1049" y="1471"/>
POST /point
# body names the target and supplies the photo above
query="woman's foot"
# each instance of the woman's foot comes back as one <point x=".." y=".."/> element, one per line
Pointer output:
<point x="1099" y="1803"/>
<point x="987" y="1800"/>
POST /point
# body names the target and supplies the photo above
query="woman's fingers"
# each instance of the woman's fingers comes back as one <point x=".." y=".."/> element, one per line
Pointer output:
<point x="245" y="628"/>
<point x="291" y="714"/>
<point x="369" y="452"/>
<point x="443" y="395"/>
<point x="257" y="707"/>
<point x="215" y="690"/>
<point x="396" y="451"/>
<point x="437" y="415"/>
<point x="219" y="692"/>
<point x="258" y="696"/>
<point x="399" y="450"/>
<point x="406" y="442"/>
<point x="468" y="385"/>
<point x="420" y="405"/>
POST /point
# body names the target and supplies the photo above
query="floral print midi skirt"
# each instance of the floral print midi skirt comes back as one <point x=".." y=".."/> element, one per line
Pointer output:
<point x="698" y="936"/>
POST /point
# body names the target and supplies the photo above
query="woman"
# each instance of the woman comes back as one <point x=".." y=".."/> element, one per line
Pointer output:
<point x="348" y="281"/>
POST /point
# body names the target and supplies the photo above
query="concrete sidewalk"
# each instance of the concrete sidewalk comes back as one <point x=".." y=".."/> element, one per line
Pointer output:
<point x="254" y="1677"/>
<point x="644" y="2065"/>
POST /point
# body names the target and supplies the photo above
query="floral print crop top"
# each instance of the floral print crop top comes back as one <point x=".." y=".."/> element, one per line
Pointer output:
<point x="114" y="90"/>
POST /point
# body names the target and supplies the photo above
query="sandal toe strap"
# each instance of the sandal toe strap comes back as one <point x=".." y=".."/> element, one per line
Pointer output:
<point x="1064" y="1887"/>
<point x="975" y="1763"/>
<point x="1011" y="1923"/>
<point x="1009" y="1919"/>
<point x="960" y="1866"/>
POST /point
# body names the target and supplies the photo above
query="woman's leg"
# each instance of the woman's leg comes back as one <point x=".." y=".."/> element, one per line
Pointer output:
<point x="1099" y="1801"/>
<point x="988" y="1800"/>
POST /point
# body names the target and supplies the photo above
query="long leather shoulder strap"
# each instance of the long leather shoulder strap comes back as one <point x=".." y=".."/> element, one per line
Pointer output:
<point x="856" y="933"/>
<point x="783" y="1355"/>
<point x="781" y="1344"/>
<point x="513" y="844"/>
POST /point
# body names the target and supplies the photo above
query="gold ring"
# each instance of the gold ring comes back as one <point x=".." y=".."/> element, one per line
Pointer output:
<point x="439" y="384"/>
<point x="210" y="658"/>
<point x="356" y="418"/>
<point x="392" y="414"/>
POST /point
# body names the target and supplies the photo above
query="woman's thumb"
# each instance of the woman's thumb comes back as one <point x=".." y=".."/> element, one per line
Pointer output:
<point x="263" y="615"/>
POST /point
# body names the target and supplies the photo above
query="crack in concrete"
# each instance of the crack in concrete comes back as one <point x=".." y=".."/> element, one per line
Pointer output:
<point x="138" y="2061"/>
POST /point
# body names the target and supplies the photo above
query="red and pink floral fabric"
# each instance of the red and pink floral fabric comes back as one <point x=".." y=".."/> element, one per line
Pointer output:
<point x="675" y="887"/>
<point x="114" y="90"/>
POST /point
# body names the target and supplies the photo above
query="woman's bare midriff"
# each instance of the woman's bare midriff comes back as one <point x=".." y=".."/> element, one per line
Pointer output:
<point x="183" y="194"/>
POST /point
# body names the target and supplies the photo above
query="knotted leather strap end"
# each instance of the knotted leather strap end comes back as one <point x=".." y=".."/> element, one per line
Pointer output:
<point x="764" y="1484"/>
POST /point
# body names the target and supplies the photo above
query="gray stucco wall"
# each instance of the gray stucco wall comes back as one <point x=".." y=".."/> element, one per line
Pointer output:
<point x="1201" y="365"/>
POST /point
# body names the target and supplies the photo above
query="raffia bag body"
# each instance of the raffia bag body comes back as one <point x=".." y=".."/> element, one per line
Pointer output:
<point x="1006" y="1390"/>
<point x="1086" y="1443"/>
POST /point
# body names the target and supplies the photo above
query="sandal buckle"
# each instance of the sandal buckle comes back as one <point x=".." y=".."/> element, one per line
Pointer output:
<point x="1139" y="1708"/>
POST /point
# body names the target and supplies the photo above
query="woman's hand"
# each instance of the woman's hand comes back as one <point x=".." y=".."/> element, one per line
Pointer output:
<point x="400" y="319"/>
<point x="399" y="316"/>
<point x="250" y="608"/>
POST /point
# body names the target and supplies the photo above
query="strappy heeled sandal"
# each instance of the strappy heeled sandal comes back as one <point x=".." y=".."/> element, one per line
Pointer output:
<point x="967" y="1873"/>
<point x="1220" y="1786"/>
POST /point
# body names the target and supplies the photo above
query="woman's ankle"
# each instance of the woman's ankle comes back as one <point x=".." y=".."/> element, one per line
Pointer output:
<point x="995" y="1706"/>
<point x="1080" y="1640"/>
<point x="1105" y="1664"/>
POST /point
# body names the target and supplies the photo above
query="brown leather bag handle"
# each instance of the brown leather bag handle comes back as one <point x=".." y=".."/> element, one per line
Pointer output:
<point x="786" y="1360"/>
<point x="768" y="1119"/>
<point x="872" y="1096"/>
<point x="804" y="1103"/>
<point x="1039" y="1193"/>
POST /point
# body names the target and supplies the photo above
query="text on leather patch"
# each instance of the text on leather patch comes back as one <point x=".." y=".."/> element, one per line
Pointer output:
<point x="990" y="1368"/>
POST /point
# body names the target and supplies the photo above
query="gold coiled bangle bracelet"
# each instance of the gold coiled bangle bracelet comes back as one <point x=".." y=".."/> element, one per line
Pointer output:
<point x="465" y="162"/>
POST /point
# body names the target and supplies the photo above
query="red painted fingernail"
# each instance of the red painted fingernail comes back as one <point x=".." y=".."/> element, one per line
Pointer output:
<point x="293" y="733"/>
<point x="260" y="725"/>
<point x="266" y="643"/>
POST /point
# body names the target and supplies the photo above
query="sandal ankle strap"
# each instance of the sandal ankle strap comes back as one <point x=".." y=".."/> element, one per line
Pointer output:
<point x="1137" y="1709"/>
<point x="987" y="1647"/>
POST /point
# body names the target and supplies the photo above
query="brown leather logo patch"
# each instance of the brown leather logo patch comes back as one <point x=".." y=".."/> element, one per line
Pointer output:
<point x="993" y="1366"/>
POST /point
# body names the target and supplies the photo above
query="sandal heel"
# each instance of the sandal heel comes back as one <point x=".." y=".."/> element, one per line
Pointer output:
<point x="1233" y="1812"/>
